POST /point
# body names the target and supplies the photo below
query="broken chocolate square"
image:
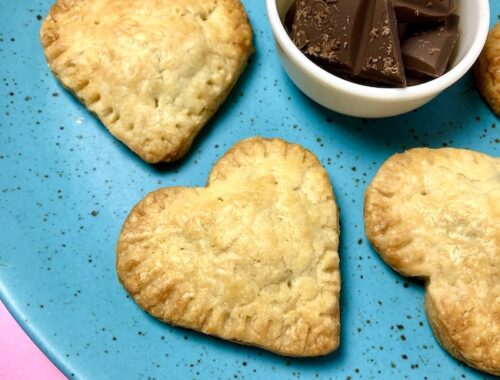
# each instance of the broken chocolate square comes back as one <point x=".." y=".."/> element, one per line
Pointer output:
<point x="329" y="30"/>
<point x="380" y="55"/>
<point x="423" y="10"/>
<point x="427" y="51"/>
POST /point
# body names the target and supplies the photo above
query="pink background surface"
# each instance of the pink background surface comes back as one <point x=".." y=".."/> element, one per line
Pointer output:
<point x="20" y="358"/>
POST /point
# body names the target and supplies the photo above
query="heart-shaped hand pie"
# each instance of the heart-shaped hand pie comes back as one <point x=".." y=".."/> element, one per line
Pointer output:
<point x="251" y="258"/>
<point x="487" y="70"/>
<point x="435" y="214"/>
<point x="153" y="71"/>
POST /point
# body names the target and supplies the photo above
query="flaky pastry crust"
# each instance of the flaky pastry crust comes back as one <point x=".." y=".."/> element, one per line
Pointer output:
<point x="153" y="71"/>
<point x="435" y="214"/>
<point x="487" y="70"/>
<point x="250" y="258"/>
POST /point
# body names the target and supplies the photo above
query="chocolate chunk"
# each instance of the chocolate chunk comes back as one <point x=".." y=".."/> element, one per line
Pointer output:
<point x="424" y="10"/>
<point x="428" y="51"/>
<point x="380" y="58"/>
<point x="329" y="30"/>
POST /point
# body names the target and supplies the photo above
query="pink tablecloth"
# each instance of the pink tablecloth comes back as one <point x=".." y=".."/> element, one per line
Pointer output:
<point x="20" y="358"/>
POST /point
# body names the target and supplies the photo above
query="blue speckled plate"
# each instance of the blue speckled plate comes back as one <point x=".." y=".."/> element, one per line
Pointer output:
<point x="66" y="186"/>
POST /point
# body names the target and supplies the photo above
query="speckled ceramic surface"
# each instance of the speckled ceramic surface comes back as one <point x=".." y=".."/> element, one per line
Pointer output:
<point x="66" y="186"/>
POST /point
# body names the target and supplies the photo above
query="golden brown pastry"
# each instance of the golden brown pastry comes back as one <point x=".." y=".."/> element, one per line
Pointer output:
<point x="153" y="71"/>
<point x="487" y="70"/>
<point x="250" y="258"/>
<point x="435" y="214"/>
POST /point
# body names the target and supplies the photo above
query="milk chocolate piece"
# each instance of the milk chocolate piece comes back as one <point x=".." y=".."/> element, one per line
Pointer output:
<point x="427" y="52"/>
<point x="424" y="10"/>
<point x="328" y="30"/>
<point x="380" y="54"/>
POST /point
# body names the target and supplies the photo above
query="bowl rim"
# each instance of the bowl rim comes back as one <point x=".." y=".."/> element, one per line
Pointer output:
<point x="383" y="94"/>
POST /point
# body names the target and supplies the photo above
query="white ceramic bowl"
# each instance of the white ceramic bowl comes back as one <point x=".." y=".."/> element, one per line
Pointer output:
<point x="364" y="101"/>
